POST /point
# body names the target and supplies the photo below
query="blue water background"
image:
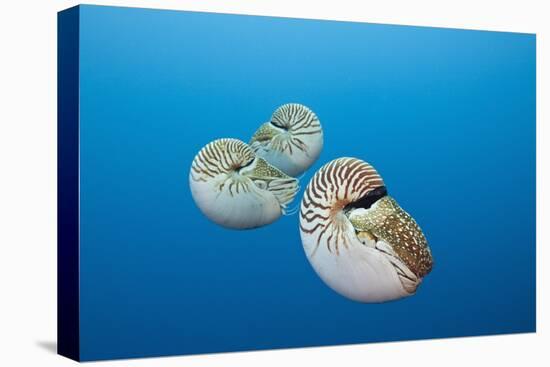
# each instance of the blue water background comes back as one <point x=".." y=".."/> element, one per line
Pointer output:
<point x="446" y="116"/>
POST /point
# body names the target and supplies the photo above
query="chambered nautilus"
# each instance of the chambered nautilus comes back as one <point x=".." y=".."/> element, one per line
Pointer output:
<point x="357" y="238"/>
<point x="237" y="189"/>
<point x="291" y="141"/>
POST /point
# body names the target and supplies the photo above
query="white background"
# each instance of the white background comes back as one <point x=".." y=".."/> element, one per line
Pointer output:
<point x="28" y="184"/>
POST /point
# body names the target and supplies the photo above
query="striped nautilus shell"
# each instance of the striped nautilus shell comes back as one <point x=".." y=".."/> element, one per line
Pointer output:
<point x="291" y="141"/>
<point x="357" y="238"/>
<point x="237" y="189"/>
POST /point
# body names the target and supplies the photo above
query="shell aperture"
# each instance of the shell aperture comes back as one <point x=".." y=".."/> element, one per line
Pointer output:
<point x="291" y="141"/>
<point x="236" y="189"/>
<point x="357" y="238"/>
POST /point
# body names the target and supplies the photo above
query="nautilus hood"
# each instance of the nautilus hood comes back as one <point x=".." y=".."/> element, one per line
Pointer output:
<point x="386" y="220"/>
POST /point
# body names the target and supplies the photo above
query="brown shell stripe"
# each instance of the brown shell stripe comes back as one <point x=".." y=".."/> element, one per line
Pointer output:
<point x="299" y="121"/>
<point x="222" y="156"/>
<point x="335" y="185"/>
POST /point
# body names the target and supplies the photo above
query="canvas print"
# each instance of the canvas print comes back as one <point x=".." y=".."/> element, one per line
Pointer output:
<point x="232" y="182"/>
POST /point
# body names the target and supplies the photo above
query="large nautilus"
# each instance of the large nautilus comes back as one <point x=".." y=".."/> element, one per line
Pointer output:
<point x="357" y="238"/>
<point x="291" y="141"/>
<point x="237" y="189"/>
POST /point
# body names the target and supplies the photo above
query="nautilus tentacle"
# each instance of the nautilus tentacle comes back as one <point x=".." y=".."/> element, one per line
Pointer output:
<point x="357" y="238"/>
<point x="291" y="141"/>
<point x="235" y="188"/>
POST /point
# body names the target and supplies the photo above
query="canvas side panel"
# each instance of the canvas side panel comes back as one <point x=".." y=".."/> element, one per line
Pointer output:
<point x="68" y="333"/>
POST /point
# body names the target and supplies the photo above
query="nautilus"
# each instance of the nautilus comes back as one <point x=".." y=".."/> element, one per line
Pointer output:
<point x="237" y="189"/>
<point x="291" y="141"/>
<point x="359" y="241"/>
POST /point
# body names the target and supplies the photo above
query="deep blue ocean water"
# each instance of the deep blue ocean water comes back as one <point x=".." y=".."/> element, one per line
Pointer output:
<point x="446" y="116"/>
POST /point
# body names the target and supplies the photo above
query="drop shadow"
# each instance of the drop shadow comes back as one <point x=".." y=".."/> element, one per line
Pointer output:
<point x="48" y="345"/>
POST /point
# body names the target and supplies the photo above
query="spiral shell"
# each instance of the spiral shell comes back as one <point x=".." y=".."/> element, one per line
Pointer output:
<point x="235" y="188"/>
<point x="291" y="141"/>
<point x="357" y="238"/>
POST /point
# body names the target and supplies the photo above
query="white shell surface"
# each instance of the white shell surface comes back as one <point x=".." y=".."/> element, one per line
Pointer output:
<point x="236" y="189"/>
<point x="358" y="272"/>
<point x="239" y="210"/>
<point x="292" y="140"/>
